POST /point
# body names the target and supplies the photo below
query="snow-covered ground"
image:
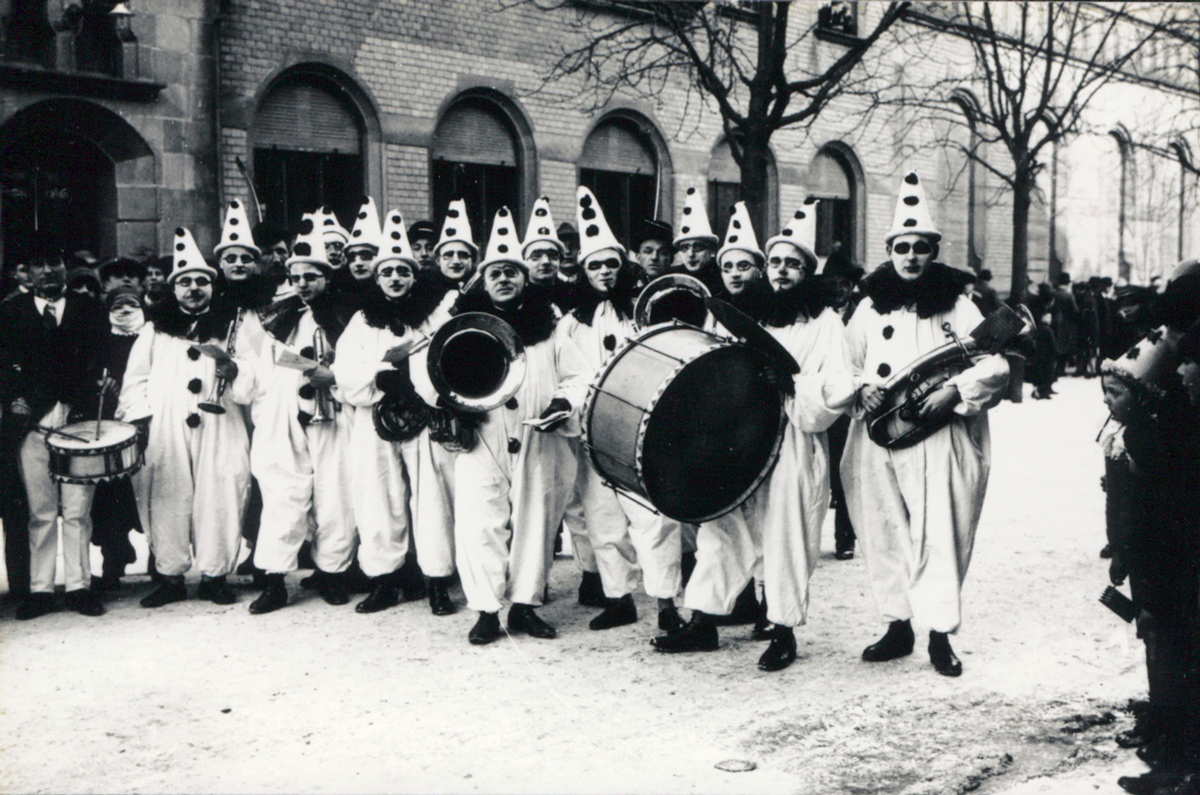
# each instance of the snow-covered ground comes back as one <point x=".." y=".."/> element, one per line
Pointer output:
<point x="200" y="698"/>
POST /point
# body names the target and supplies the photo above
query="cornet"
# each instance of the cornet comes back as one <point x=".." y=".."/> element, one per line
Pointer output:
<point x="326" y="406"/>
<point x="212" y="403"/>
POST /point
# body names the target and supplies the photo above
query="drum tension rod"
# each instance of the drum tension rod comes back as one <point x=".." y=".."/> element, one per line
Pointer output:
<point x="631" y="496"/>
<point x="656" y="350"/>
<point x="598" y="451"/>
<point x="618" y="397"/>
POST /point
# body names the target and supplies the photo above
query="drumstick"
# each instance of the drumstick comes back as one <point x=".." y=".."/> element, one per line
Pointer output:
<point x="100" y="408"/>
<point x="57" y="432"/>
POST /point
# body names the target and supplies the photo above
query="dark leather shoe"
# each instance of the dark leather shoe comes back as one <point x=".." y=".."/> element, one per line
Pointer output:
<point x="699" y="634"/>
<point x="1149" y="783"/>
<point x="844" y="554"/>
<point x="332" y="588"/>
<point x="521" y="618"/>
<point x="762" y="627"/>
<point x="170" y="589"/>
<point x="440" y="603"/>
<point x="35" y="606"/>
<point x="945" y="662"/>
<point x="216" y="590"/>
<point x="745" y="609"/>
<point x="273" y="597"/>
<point x="669" y="619"/>
<point x="486" y="629"/>
<point x="897" y="642"/>
<point x="591" y="592"/>
<point x="782" y="651"/>
<point x="617" y="613"/>
<point x="84" y="602"/>
<point x="385" y="593"/>
<point x="246" y="567"/>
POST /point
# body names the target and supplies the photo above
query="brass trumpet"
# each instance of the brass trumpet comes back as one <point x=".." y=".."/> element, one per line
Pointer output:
<point x="326" y="406"/>
<point x="212" y="403"/>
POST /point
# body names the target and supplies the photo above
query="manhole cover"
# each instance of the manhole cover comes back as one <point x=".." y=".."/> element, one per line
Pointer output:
<point x="736" y="766"/>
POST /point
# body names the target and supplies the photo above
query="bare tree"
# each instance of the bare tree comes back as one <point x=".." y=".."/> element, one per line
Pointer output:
<point x="1037" y="67"/>
<point x="734" y="54"/>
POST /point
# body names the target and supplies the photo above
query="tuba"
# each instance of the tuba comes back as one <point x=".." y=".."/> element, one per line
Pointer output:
<point x="675" y="296"/>
<point x="896" y="424"/>
<point x="326" y="406"/>
<point x="476" y="362"/>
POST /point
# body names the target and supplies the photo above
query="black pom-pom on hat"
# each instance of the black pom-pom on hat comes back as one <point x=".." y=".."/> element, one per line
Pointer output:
<point x="179" y="231"/>
<point x="685" y="229"/>
<point x="306" y="226"/>
<point x="235" y="204"/>
<point x="687" y="210"/>
<point x="733" y="238"/>
<point x="737" y="224"/>
<point x="302" y="249"/>
<point x="585" y="201"/>
<point x="452" y="213"/>
<point x="502" y="248"/>
<point x="540" y="212"/>
<point x="451" y="231"/>
<point x="690" y="192"/>
<point x="362" y="214"/>
<point x="395" y="234"/>
<point x="592" y="230"/>
<point x="233" y="235"/>
<point x="911" y="201"/>
<point x="588" y="214"/>
<point x="910" y="222"/>
<point x="787" y="232"/>
<point x="180" y="246"/>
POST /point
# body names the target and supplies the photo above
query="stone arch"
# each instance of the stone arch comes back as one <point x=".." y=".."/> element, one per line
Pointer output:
<point x="842" y="153"/>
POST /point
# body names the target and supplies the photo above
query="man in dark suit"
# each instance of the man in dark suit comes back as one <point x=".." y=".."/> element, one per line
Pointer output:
<point x="52" y="337"/>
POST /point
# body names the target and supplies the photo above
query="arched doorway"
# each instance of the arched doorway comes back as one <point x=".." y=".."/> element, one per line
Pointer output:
<point x="625" y="164"/>
<point x="61" y="163"/>
<point x="835" y="177"/>
<point x="309" y="142"/>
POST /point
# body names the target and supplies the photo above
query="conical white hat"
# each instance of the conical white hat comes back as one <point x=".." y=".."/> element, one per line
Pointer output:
<point x="503" y="245"/>
<point x="366" y="230"/>
<point x="541" y="227"/>
<point x="801" y="231"/>
<point x="236" y="231"/>
<point x="394" y="241"/>
<point x="186" y="258"/>
<point x="327" y="222"/>
<point x="912" y="211"/>
<point x="740" y="234"/>
<point x="594" y="232"/>
<point x="694" y="224"/>
<point x="310" y="243"/>
<point x="457" y="227"/>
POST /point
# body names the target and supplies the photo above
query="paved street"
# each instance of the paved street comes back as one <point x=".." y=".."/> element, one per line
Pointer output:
<point x="200" y="698"/>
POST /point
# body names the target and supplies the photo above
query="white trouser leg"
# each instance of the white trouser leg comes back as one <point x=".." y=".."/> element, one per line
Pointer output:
<point x="608" y="531"/>
<point x="222" y="487"/>
<point x="725" y="558"/>
<point x="380" y="501"/>
<point x="656" y="539"/>
<point x="333" y="542"/>
<point x="43" y="494"/>
<point x="482" y="530"/>
<point x="574" y="517"/>
<point x="285" y="478"/>
<point x="430" y="471"/>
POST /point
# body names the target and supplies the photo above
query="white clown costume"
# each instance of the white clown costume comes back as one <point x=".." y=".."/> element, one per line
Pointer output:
<point x="916" y="509"/>
<point x="197" y="472"/>
<point x="511" y="487"/>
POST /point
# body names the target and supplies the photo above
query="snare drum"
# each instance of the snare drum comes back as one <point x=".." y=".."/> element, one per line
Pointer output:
<point x="114" y="455"/>
<point x="682" y="418"/>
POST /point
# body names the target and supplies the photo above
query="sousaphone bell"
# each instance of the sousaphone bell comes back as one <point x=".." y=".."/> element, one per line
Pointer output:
<point x="476" y="362"/>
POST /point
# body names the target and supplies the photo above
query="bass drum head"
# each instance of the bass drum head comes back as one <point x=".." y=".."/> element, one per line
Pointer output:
<point x="713" y="436"/>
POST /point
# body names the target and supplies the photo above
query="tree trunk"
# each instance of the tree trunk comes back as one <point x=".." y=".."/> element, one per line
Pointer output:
<point x="754" y="189"/>
<point x="1022" y="193"/>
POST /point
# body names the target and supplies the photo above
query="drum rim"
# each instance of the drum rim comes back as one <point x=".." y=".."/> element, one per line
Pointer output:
<point x="92" y="451"/>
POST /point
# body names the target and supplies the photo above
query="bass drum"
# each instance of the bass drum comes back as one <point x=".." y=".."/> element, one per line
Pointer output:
<point x="682" y="418"/>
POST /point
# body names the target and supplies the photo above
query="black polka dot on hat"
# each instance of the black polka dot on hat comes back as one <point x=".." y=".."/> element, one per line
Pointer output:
<point x="233" y="221"/>
<point x="588" y="214"/>
<point x="685" y="229"/>
<point x="687" y="210"/>
<point x="302" y="249"/>
<point x="328" y="222"/>
<point x="690" y="192"/>
<point x="910" y="222"/>
<point x="306" y="392"/>
<point x="193" y="353"/>
<point x="540" y="212"/>
<point x="514" y="446"/>
<point x="194" y="386"/>
<point x="1134" y="352"/>
<point x="543" y="230"/>
<point x="181" y="264"/>
<point x="397" y="249"/>
<point x="179" y="231"/>
<point x="356" y="233"/>
<point x="911" y="179"/>
<point x="503" y="212"/>
<point x="452" y="213"/>
<point x="592" y="230"/>
<point x="585" y="201"/>
<point x="362" y="214"/>
<point x="888" y="331"/>
<point x="733" y="238"/>
<point x="737" y="224"/>
<point x="180" y="246"/>
<point x="451" y="231"/>
<point x="306" y="226"/>
<point x="193" y="420"/>
<point x="235" y="204"/>
<point x="395" y="234"/>
<point x="395" y="219"/>
<point x="884" y="370"/>
<point x="787" y="232"/>
<point x="233" y="235"/>
<point x="502" y="231"/>
<point x="911" y="201"/>
<point x="610" y="342"/>
<point x="503" y="249"/>
<point x="733" y="210"/>
<point x="511" y="404"/>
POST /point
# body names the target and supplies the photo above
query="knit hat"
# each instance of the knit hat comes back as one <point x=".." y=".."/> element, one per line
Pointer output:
<point x="327" y="222"/>
<point x="310" y="244"/>
<point x="236" y="231"/>
<point x="366" y="226"/>
<point x="740" y="234"/>
<point x="596" y="233"/>
<point x="1151" y="363"/>
<point x="394" y="238"/>
<point x="504" y="245"/>
<point x="912" y="211"/>
<point x="694" y="225"/>
<point x="122" y="295"/>
<point x="187" y="257"/>
<point x="541" y="228"/>
<point x="801" y="232"/>
<point x="457" y="227"/>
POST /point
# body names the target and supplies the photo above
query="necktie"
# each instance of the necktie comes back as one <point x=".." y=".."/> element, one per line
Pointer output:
<point x="49" y="317"/>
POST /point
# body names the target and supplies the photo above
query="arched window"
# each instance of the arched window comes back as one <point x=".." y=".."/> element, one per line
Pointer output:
<point x="621" y="166"/>
<point x="835" y="178"/>
<point x="725" y="190"/>
<point x="1124" y="146"/>
<point x="477" y="157"/>
<point x="308" y="149"/>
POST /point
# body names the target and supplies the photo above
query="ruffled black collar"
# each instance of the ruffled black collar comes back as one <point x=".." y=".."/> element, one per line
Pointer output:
<point x="255" y="292"/>
<point x="329" y="309"/>
<point x="407" y="313"/>
<point x="936" y="291"/>
<point x="753" y="301"/>
<point x="710" y="275"/>
<point x="802" y="303"/>
<point x="559" y="293"/>
<point x="169" y="319"/>
<point x="534" y="320"/>
<point x="585" y="299"/>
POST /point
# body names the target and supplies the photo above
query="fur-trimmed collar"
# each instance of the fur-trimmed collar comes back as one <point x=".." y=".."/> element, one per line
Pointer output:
<point x="534" y="320"/>
<point x="936" y="291"/>
<point x="329" y="310"/>
<point x="624" y="293"/>
<point x="709" y="274"/>
<point x="407" y="313"/>
<point x="802" y="303"/>
<point x="753" y="301"/>
<point x="559" y="293"/>
<point x="169" y="319"/>
<point x="255" y="292"/>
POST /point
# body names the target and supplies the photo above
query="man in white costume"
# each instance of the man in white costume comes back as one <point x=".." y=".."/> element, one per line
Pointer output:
<point x="512" y="485"/>
<point x="197" y="462"/>
<point x="916" y="509"/>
